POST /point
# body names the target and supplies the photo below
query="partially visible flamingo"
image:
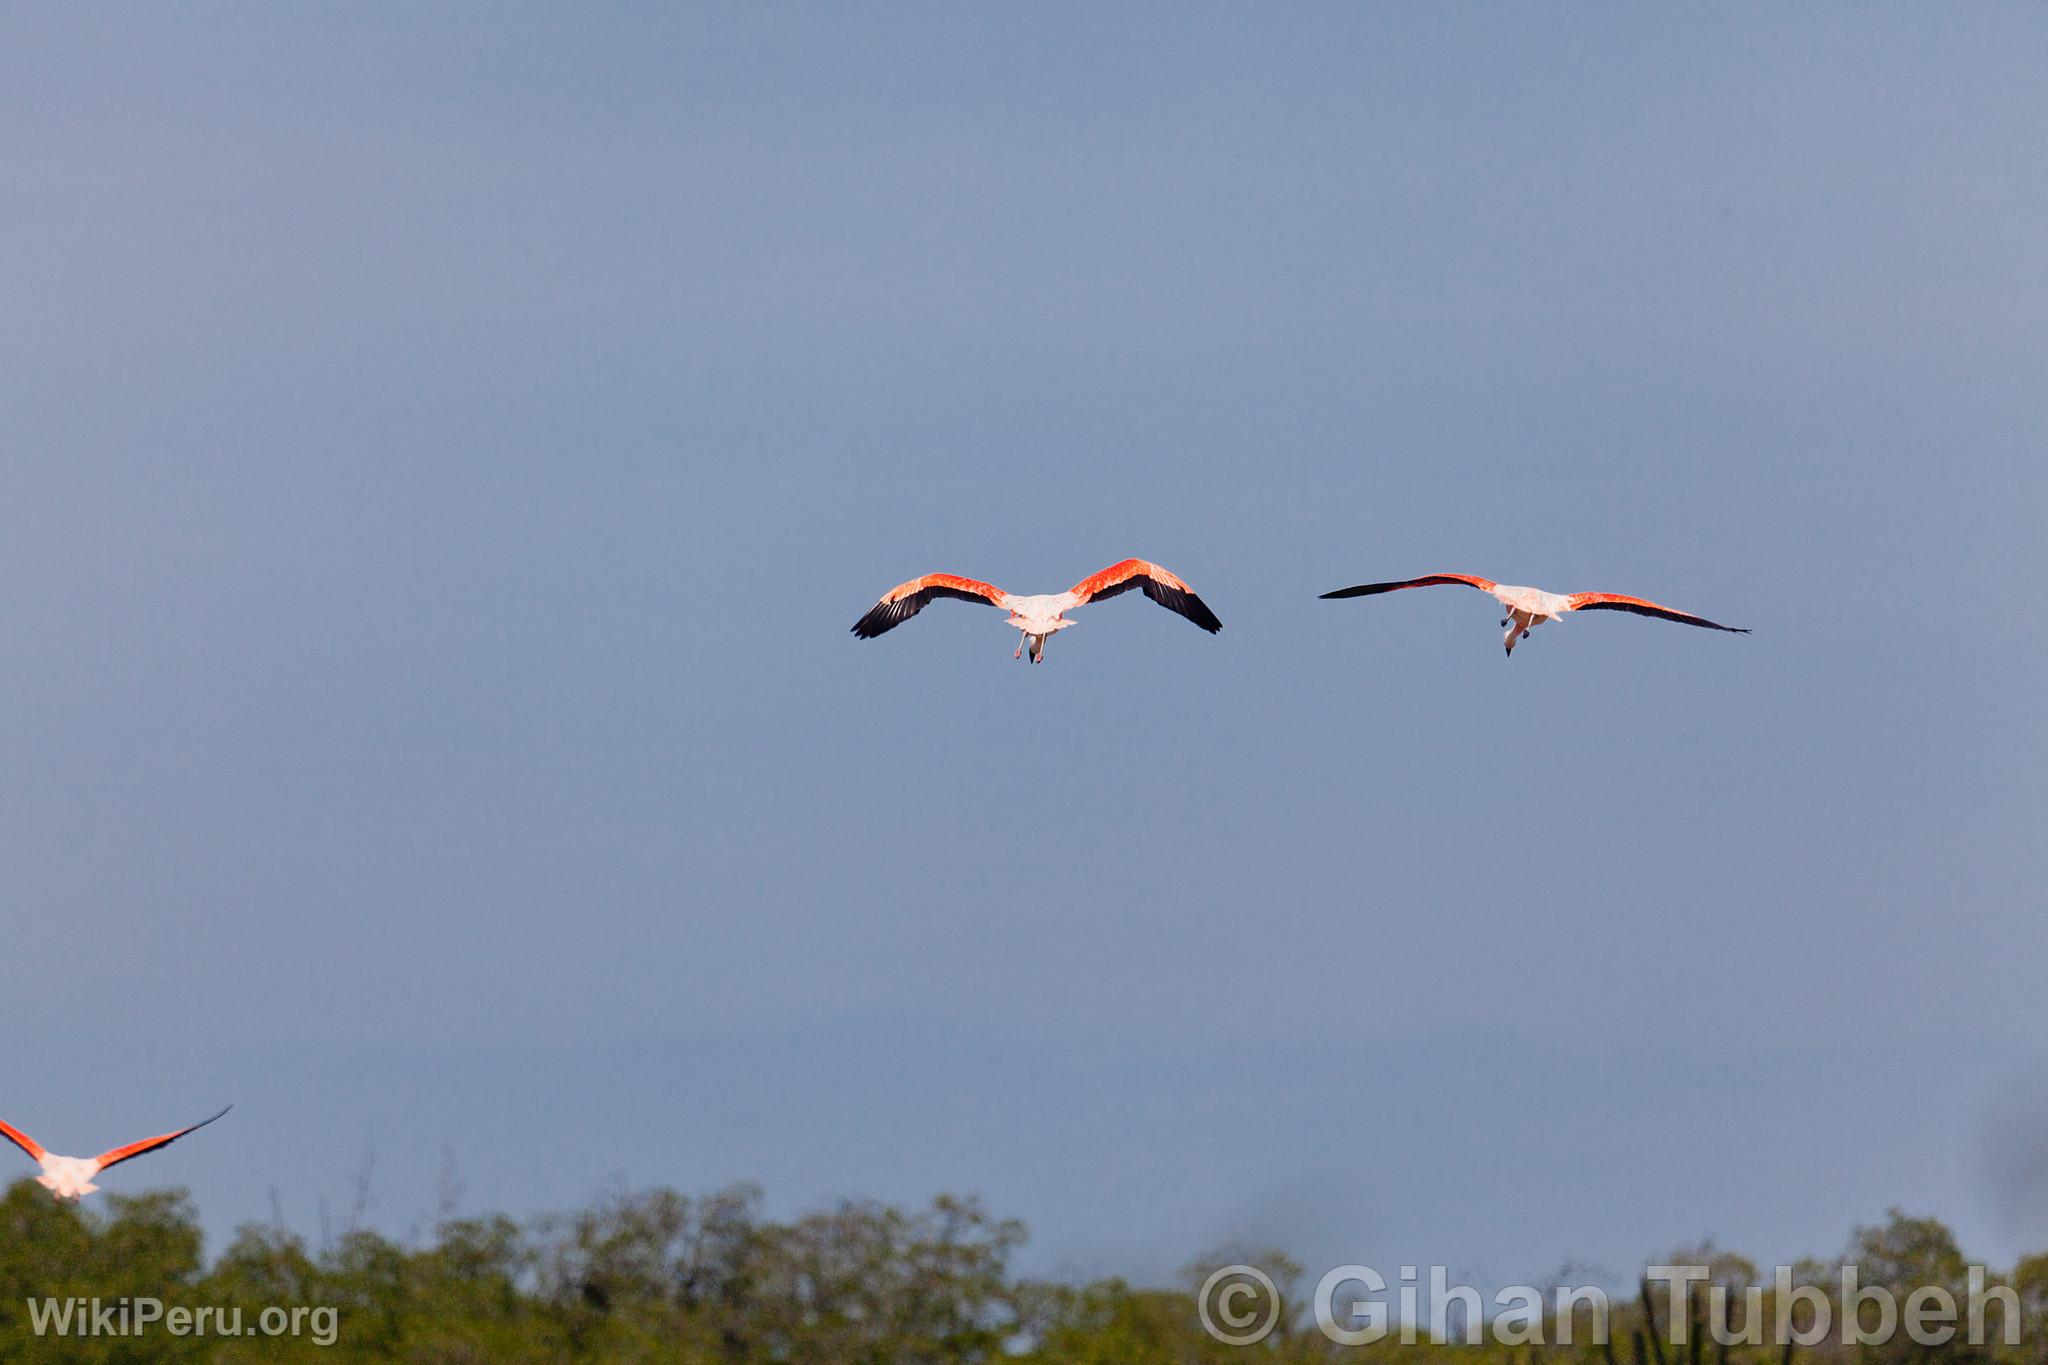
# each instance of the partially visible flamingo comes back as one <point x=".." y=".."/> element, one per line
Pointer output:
<point x="1530" y="607"/>
<point x="1039" y="616"/>
<point x="70" y="1177"/>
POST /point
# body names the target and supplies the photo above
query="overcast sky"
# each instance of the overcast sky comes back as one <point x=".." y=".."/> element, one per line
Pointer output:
<point x="442" y="450"/>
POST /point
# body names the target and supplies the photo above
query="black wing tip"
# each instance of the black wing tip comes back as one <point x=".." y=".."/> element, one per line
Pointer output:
<point x="1183" y="602"/>
<point x="886" y="615"/>
<point x="881" y="617"/>
<point x="158" y="1144"/>
<point x="1664" y="614"/>
<point x="183" y="1132"/>
<point x="1684" y="620"/>
<point x="1428" y="580"/>
<point x="1198" y="611"/>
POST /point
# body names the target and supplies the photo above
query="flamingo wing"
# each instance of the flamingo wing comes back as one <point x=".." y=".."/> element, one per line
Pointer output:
<point x="1426" y="581"/>
<point x="22" y="1140"/>
<point x="1614" y="601"/>
<point x="1160" y="585"/>
<point x="115" y="1155"/>
<point x="906" y="600"/>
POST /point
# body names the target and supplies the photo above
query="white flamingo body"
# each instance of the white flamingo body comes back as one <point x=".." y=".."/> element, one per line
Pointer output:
<point x="68" y="1177"/>
<point x="1039" y="616"/>
<point x="1528" y="608"/>
<point x="71" y="1177"/>
<point x="1043" y="614"/>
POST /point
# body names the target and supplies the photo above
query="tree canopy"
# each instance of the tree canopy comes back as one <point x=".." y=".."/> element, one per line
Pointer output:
<point x="657" y="1275"/>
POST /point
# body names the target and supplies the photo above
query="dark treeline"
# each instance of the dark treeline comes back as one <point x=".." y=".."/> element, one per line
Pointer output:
<point x="658" y="1276"/>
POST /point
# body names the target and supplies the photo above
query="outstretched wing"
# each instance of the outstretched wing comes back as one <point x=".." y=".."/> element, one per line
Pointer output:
<point x="22" y="1140"/>
<point x="120" y="1154"/>
<point x="1614" y="601"/>
<point x="906" y="600"/>
<point x="1426" y="581"/>
<point x="1159" y="585"/>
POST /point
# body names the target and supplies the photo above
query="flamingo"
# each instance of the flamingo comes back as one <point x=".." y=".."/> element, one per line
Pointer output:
<point x="70" y="1177"/>
<point x="1038" y="617"/>
<point x="1530" y="607"/>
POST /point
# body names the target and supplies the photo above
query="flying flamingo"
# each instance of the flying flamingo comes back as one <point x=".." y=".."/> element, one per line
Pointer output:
<point x="1530" y="607"/>
<point x="1039" y="616"/>
<point x="70" y="1177"/>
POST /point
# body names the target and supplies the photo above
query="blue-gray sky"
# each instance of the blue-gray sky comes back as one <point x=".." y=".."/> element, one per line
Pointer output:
<point x="443" y="450"/>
